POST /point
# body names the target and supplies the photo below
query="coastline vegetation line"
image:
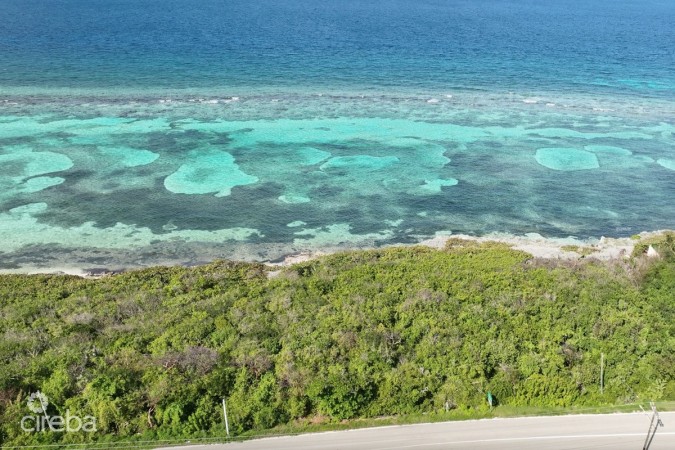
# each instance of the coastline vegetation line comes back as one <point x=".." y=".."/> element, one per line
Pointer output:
<point x="352" y="339"/>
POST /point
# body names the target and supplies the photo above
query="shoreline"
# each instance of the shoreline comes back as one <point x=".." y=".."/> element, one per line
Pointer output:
<point x="569" y="248"/>
<point x="603" y="248"/>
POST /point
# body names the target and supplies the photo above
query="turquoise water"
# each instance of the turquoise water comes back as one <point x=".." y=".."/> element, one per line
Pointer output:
<point x="137" y="133"/>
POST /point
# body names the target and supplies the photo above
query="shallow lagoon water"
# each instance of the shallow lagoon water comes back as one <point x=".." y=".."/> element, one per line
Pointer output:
<point x="191" y="183"/>
<point x="327" y="134"/>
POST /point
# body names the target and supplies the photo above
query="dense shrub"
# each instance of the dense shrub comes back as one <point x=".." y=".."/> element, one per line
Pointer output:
<point x="394" y="331"/>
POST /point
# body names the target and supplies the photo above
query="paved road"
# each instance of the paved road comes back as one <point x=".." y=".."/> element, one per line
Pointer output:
<point x="611" y="432"/>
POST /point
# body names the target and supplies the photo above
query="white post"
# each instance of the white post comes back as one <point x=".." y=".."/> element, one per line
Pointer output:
<point x="227" y="425"/>
<point x="602" y="373"/>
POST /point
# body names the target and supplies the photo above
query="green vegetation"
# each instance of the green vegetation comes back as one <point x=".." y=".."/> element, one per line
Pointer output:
<point x="583" y="251"/>
<point x="664" y="244"/>
<point x="400" y="332"/>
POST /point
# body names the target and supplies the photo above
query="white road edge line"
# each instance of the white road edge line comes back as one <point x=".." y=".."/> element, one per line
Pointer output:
<point x="312" y="434"/>
<point x="533" y="438"/>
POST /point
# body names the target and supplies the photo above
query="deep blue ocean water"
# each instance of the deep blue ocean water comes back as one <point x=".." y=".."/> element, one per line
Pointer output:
<point x="176" y="131"/>
<point x="593" y="45"/>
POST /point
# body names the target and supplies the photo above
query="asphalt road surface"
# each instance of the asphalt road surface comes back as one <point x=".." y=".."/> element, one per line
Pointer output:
<point x="606" y="431"/>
